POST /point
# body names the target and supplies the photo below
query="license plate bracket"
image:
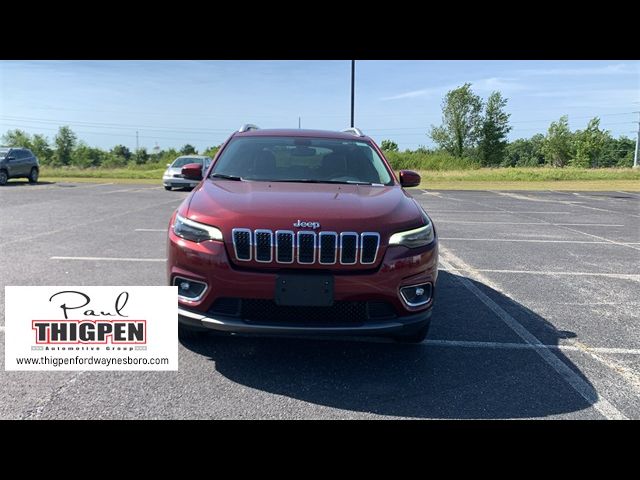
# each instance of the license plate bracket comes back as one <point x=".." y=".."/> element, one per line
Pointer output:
<point x="304" y="290"/>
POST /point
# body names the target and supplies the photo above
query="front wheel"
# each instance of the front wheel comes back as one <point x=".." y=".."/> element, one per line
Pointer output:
<point x="3" y="177"/>
<point x="33" y="175"/>
<point x="188" y="333"/>
<point x="416" y="336"/>
<point x="166" y="187"/>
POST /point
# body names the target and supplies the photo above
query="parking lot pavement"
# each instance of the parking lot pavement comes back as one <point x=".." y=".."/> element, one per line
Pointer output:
<point x="535" y="316"/>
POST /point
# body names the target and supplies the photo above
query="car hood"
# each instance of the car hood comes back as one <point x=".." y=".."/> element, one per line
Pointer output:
<point x="231" y="204"/>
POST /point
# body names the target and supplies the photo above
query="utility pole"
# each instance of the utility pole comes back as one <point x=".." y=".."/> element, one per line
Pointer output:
<point x="299" y="123"/>
<point x="137" y="147"/>
<point x="353" y="88"/>
<point x="635" y="156"/>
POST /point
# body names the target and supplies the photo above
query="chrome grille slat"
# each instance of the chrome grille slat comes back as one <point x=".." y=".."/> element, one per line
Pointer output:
<point x="328" y="245"/>
<point x="369" y="244"/>
<point x="348" y="248"/>
<point x="305" y="247"/>
<point x="242" y="243"/>
<point x="264" y="246"/>
<point x="284" y="246"/>
<point x="306" y="251"/>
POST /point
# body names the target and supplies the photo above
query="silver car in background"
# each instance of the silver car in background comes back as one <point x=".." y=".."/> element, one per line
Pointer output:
<point x="172" y="177"/>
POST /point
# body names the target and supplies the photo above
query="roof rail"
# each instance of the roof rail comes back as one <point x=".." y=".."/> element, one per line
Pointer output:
<point x="248" y="126"/>
<point x="354" y="131"/>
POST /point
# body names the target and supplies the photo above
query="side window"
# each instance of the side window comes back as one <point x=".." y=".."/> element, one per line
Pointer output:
<point x="17" y="154"/>
<point x="28" y="153"/>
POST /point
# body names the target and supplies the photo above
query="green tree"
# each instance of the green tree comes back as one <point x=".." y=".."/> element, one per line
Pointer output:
<point x="461" y="121"/>
<point x="122" y="152"/>
<point x="524" y="152"/>
<point x="168" y="156"/>
<point x="589" y="144"/>
<point x="141" y="156"/>
<point x="111" y="160"/>
<point x="85" y="156"/>
<point x="65" y="142"/>
<point x="188" y="150"/>
<point x="389" y="146"/>
<point x="618" y="152"/>
<point x="16" y="138"/>
<point x="494" y="130"/>
<point x="41" y="149"/>
<point x="211" y="151"/>
<point x="558" y="148"/>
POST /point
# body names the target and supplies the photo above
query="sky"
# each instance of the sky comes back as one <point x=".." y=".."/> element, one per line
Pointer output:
<point x="171" y="103"/>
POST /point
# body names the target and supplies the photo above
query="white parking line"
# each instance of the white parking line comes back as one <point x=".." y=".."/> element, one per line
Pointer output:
<point x="602" y="238"/>
<point x="624" y="276"/>
<point x="91" y="222"/>
<point x="471" y="222"/>
<point x="131" y="189"/>
<point x="120" y="191"/>
<point x="581" y="386"/>
<point x="587" y="225"/>
<point x="521" y="240"/>
<point x="56" y="185"/>
<point x="519" y="196"/>
<point x="150" y="229"/>
<point x="631" y="377"/>
<point x="561" y="202"/>
<point x="527" y="346"/>
<point x="110" y="259"/>
<point x="565" y="227"/>
<point x="496" y="211"/>
<point x="91" y="185"/>
<point x="635" y="195"/>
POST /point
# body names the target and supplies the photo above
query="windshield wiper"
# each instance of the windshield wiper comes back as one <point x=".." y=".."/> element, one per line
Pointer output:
<point x="311" y="180"/>
<point x="225" y="176"/>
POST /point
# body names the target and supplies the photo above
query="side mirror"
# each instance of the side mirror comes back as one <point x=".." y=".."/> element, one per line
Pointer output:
<point x="192" y="171"/>
<point x="409" y="178"/>
<point x="8" y="159"/>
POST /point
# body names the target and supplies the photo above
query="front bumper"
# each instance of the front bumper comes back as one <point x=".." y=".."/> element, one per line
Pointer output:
<point x="238" y="325"/>
<point x="208" y="262"/>
<point x="178" y="182"/>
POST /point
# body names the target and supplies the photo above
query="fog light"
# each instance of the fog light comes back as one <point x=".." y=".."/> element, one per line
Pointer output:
<point x="190" y="290"/>
<point x="416" y="295"/>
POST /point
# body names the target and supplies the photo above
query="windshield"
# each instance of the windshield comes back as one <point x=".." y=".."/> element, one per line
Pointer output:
<point x="3" y="152"/>
<point x="297" y="159"/>
<point x="182" y="161"/>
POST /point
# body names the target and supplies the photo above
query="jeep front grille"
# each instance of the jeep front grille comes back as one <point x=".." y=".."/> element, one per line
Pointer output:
<point x="242" y="243"/>
<point x="305" y="247"/>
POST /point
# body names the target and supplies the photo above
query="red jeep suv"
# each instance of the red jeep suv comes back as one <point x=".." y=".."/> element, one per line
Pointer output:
<point x="302" y="232"/>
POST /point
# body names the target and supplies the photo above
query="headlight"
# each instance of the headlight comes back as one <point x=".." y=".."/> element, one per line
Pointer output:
<point x="418" y="237"/>
<point x="195" y="231"/>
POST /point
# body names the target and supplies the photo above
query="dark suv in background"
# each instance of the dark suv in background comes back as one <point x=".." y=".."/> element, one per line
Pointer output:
<point x="18" y="162"/>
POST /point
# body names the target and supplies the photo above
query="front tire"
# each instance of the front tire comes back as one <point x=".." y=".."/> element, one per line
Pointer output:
<point x="416" y="336"/>
<point x="33" y="176"/>
<point x="187" y="333"/>
<point x="3" y="177"/>
<point x="167" y="188"/>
